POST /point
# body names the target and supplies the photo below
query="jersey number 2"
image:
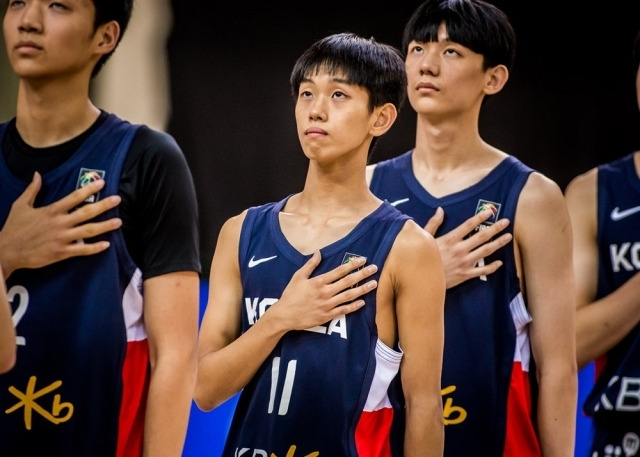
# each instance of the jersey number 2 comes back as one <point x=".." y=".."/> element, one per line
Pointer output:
<point x="23" y="302"/>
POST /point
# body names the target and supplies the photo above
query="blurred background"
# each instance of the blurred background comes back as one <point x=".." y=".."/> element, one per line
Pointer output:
<point x="216" y="76"/>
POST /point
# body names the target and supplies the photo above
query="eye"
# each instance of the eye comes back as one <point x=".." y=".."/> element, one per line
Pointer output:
<point x="305" y="94"/>
<point x="58" y="5"/>
<point x="339" y="94"/>
<point x="416" y="49"/>
<point x="451" y="51"/>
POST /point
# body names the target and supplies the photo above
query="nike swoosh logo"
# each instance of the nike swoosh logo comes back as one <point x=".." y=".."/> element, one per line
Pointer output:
<point x="398" y="202"/>
<point x="616" y="214"/>
<point x="253" y="261"/>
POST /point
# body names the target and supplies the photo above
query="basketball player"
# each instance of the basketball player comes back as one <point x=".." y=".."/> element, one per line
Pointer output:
<point x="106" y="359"/>
<point x="317" y="353"/>
<point x="604" y="205"/>
<point x="509" y="381"/>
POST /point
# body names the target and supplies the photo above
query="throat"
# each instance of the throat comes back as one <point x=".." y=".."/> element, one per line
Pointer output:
<point x="308" y="235"/>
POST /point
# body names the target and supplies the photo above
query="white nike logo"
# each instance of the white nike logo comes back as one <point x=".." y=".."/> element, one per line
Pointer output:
<point x="253" y="262"/>
<point x="398" y="202"/>
<point x="616" y="214"/>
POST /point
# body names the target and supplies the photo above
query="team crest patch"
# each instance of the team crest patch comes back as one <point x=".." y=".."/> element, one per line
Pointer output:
<point x="347" y="258"/>
<point x="87" y="176"/>
<point x="493" y="206"/>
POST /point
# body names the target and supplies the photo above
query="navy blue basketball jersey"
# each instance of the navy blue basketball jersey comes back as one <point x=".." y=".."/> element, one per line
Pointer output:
<point x="614" y="401"/>
<point x="324" y="391"/>
<point x="78" y="387"/>
<point x="487" y="391"/>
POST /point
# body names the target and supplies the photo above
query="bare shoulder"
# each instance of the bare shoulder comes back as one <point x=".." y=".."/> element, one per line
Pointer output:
<point x="542" y="214"/>
<point x="415" y="274"/>
<point x="581" y="196"/>
<point x="541" y="195"/>
<point x="581" y="190"/>
<point x="228" y="239"/>
<point x="413" y="245"/>
<point x="233" y="225"/>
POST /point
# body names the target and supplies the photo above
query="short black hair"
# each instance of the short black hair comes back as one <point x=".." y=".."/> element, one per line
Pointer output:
<point x="475" y="24"/>
<point x="377" y="67"/>
<point x="111" y="10"/>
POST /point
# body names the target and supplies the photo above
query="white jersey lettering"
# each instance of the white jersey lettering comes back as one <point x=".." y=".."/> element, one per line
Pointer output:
<point x="626" y="256"/>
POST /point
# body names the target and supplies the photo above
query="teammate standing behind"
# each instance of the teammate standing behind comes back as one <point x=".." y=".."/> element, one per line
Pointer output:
<point x="107" y="343"/>
<point x="604" y="204"/>
<point x="317" y="352"/>
<point x="509" y="381"/>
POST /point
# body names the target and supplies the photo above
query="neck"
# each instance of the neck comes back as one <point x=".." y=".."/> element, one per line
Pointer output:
<point x="343" y="192"/>
<point x="48" y="115"/>
<point x="448" y="143"/>
<point x="449" y="157"/>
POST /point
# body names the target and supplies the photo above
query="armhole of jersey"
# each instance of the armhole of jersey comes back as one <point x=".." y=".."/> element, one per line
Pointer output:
<point x="245" y="234"/>
<point x="510" y="212"/>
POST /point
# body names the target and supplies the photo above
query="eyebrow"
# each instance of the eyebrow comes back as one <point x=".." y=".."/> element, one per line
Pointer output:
<point x="335" y="80"/>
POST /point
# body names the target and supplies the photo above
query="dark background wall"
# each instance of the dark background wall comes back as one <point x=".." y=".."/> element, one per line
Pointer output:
<point x="570" y="102"/>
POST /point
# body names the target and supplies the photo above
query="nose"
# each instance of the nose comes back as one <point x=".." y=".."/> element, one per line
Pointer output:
<point x="317" y="110"/>
<point x="31" y="18"/>
<point x="429" y="63"/>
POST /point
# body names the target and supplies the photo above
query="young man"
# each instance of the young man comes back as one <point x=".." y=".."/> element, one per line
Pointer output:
<point x="604" y="205"/>
<point x="107" y="342"/>
<point x="509" y="373"/>
<point x="316" y="351"/>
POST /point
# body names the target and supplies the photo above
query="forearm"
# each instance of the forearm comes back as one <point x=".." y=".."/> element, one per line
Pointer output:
<point x="224" y="372"/>
<point x="604" y="323"/>
<point x="169" y="406"/>
<point x="7" y="331"/>
<point x="7" y="335"/>
<point x="424" y="433"/>
<point x="8" y="256"/>
<point x="171" y="318"/>
<point x="557" y="405"/>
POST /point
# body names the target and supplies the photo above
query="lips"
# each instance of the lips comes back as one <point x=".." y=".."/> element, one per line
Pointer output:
<point x="314" y="131"/>
<point x="27" y="45"/>
<point x="426" y="86"/>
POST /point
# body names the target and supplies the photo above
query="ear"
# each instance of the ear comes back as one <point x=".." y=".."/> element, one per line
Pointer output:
<point x="107" y="37"/>
<point x="497" y="78"/>
<point x="384" y="117"/>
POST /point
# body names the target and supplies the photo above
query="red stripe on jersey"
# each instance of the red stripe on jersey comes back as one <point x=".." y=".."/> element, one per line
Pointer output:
<point x="521" y="439"/>
<point x="135" y="382"/>
<point x="372" y="433"/>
